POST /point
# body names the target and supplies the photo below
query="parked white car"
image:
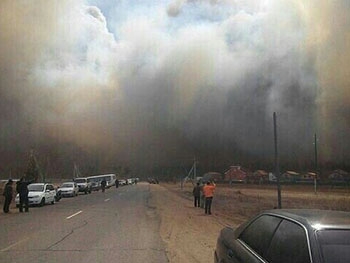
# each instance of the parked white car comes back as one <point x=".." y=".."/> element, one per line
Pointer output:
<point x="39" y="194"/>
<point x="84" y="184"/>
<point x="68" y="189"/>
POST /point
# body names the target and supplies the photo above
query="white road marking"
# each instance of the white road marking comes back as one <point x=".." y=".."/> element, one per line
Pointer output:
<point x="107" y="199"/>
<point x="77" y="213"/>
<point x="13" y="245"/>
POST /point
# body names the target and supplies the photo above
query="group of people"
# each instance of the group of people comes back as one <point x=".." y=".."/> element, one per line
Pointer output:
<point x="204" y="195"/>
<point x="22" y="190"/>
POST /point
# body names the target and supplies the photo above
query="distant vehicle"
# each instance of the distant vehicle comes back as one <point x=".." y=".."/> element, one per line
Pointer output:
<point x="97" y="179"/>
<point x="131" y="181"/>
<point x="122" y="182"/>
<point x="153" y="181"/>
<point x="39" y="194"/>
<point x="288" y="236"/>
<point x="68" y="189"/>
<point x="84" y="184"/>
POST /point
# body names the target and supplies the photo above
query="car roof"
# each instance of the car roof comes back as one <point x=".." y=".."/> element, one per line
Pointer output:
<point x="314" y="218"/>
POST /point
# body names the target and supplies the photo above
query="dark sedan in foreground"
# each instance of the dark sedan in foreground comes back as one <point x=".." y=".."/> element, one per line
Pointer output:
<point x="287" y="236"/>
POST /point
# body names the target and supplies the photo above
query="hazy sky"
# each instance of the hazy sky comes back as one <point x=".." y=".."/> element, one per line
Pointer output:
<point x="153" y="81"/>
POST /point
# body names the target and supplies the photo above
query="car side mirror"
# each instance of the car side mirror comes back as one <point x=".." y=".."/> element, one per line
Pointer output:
<point x="47" y="191"/>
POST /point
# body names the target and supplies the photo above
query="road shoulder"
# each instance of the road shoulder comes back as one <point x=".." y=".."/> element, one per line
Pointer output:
<point x="189" y="234"/>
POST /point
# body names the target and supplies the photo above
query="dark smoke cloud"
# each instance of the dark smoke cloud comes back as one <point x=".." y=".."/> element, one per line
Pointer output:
<point x="192" y="78"/>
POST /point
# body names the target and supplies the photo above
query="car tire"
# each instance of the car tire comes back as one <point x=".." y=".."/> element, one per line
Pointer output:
<point x="42" y="203"/>
<point x="53" y="202"/>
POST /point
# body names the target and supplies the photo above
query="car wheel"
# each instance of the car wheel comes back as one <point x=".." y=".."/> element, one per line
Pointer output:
<point x="53" y="202"/>
<point x="42" y="203"/>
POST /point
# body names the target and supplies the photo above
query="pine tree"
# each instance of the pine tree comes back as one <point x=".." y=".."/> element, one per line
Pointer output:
<point x="33" y="171"/>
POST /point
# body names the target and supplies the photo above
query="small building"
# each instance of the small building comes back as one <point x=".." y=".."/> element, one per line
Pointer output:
<point x="259" y="176"/>
<point x="306" y="178"/>
<point x="339" y="176"/>
<point x="290" y="177"/>
<point x="236" y="174"/>
<point x="212" y="176"/>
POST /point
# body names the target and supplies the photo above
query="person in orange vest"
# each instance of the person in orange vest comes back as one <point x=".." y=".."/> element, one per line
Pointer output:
<point x="208" y="190"/>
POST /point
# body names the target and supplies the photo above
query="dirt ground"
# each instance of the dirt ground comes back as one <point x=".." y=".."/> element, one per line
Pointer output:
<point x="190" y="235"/>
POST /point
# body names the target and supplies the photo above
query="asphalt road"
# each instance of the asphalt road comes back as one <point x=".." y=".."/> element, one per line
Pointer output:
<point x="120" y="225"/>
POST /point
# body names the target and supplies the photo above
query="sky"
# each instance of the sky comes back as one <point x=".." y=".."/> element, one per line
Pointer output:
<point x="153" y="83"/>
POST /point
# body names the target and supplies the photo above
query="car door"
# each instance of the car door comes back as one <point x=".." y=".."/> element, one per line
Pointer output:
<point x="76" y="189"/>
<point x="253" y="241"/>
<point x="46" y="194"/>
<point x="51" y="193"/>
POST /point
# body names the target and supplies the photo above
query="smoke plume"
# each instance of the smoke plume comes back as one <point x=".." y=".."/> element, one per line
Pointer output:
<point x="150" y="85"/>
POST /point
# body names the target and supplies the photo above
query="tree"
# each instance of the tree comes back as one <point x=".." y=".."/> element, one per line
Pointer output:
<point x="33" y="172"/>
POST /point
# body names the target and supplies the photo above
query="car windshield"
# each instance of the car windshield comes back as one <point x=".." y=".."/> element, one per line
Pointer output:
<point x="67" y="185"/>
<point x="335" y="245"/>
<point x="36" y="187"/>
<point x="80" y="180"/>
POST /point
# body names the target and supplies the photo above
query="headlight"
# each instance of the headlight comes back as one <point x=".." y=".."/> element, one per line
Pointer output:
<point x="35" y="196"/>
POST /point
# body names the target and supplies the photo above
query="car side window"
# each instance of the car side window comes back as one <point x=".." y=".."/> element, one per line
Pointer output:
<point x="259" y="233"/>
<point x="289" y="244"/>
<point x="50" y="187"/>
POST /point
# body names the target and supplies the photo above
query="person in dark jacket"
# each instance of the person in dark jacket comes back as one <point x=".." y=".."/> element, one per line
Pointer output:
<point x="22" y="190"/>
<point x="103" y="185"/>
<point x="197" y="195"/>
<point x="8" y="192"/>
<point x="116" y="183"/>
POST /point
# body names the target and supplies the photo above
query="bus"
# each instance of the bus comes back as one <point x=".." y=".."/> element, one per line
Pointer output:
<point x="97" y="179"/>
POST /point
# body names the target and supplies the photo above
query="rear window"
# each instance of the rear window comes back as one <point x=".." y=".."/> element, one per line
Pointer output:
<point x="259" y="233"/>
<point x="335" y="245"/>
<point x="289" y="244"/>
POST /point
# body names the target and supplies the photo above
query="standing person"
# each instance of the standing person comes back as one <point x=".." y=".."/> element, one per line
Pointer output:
<point x="103" y="185"/>
<point x="202" y="198"/>
<point x="8" y="192"/>
<point x="116" y="183"/>
<point x="22" y="190"/>
<point x="208" y="190"/>
<point x="197" y="195"/>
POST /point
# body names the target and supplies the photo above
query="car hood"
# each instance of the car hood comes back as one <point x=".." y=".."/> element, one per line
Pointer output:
<point x="65" y="189"/>
<point x="30" y="194"/>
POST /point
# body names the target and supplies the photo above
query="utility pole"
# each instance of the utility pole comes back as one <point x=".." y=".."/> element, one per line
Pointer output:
<point x="316" y="164"/>
<point x="277" y="168"/>
<point x="189" y="175"/>
<point x="194" y="169"/>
